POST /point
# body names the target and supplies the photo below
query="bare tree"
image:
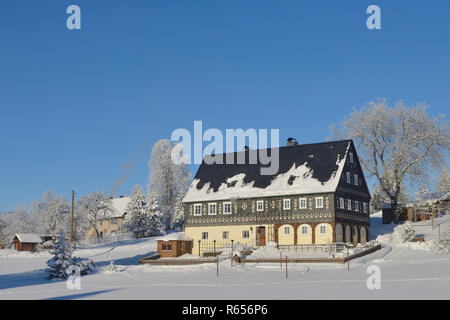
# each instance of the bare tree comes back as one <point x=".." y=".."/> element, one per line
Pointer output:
<point x="396" y="144"/>
<point x="93" y="208"/>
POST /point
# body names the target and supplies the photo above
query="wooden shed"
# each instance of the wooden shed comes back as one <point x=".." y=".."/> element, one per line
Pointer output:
<point x="26" y="241"/>
<point x="174" y="246"/>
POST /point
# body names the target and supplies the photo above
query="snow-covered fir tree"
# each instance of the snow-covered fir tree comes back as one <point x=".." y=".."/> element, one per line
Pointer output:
<point x="155" y="227"/>
<point x="444" y="181"/>
<point x="62" y="258"/>
<point x="178" y="216"/>
<point x="168" y="180"/>
<point x="422" y="194"/>
<point x="142" y="215"/>
<point x="409" y="232"/>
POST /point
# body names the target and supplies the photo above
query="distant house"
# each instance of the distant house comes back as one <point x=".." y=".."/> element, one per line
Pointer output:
<point x="427" y="205"/>
<point x="112" y="224"/>
<point x="26" y="241"/>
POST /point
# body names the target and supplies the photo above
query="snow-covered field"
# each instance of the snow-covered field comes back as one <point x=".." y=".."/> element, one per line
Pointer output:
<point x="414" y="270"/>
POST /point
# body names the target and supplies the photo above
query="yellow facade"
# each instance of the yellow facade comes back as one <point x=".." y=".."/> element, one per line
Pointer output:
<point x="235" y="233"/>
<point x="286" y="235"/>
<point x="327" y="236"/>
<point x="304" y="238"/>
<point x="106" y="227"/>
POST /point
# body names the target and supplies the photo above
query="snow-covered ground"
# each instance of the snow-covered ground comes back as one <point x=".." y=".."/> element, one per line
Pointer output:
<point x="415" y="270"/>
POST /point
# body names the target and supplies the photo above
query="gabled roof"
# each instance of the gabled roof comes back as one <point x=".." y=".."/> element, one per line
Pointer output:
<point x="307" y="168"/>
<point x="28" y="237"/>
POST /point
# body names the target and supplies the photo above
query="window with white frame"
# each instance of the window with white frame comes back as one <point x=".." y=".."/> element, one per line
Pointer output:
<point x="212" y="208"/>
<point x="342" y="203"/>
<point x="225" y="235"/>
<point x="286" y="204"/>
<point x="304" y="230"/>
<point x="323" y="229"/>
<point x="287" y="230"/>
<point x="260" y="205"/>
<point x="356" y="206"/>
<point x="351" y="157"/>
<point x="319" y="202"/>
<point x="349" y="204"/>
<point x="198" y="209"/>
<point x="355" y="179"/>
<point x="204" y="235"/>
<point x="348" y="177"/>
<point x="365" y="207"/>
<point x="227" y="208"/>
<point x="245" y="234"/>
<point x="302" y="203"/>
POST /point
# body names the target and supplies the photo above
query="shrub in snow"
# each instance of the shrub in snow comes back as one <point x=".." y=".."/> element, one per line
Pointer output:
<point x="408" y="232"/>
<point x="62" y="260"/>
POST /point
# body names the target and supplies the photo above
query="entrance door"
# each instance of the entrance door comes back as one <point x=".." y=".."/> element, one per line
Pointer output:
<point x="261" y="236"/>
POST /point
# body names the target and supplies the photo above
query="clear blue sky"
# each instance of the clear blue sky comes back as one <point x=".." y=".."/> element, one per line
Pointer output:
<point x="76" y="105"/>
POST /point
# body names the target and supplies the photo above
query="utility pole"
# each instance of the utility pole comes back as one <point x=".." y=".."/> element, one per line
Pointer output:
<point x="71" y="219"/>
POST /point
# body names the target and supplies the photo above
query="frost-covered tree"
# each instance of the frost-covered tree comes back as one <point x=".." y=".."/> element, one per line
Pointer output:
<point x="140" y="214"/>
<point x="4" y="237"/>
<point x="167" y="179"/>
<point x="379" y="197"/>
<point x="422" y="194"/>
<point x="396" y="144"/>
<point x="92" y="209"/>
<point x="61" y="260"/>
<point x="155" y="226"/>
<point x="51" y="213"/>
<point x="19" y="220"/>
<point x="408" y="233"/>
<point x="178" y="218"/>
<point x="444" y="181"/>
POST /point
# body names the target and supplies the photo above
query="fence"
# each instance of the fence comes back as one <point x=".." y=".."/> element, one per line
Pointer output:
<point x="332" y="247"/>
<point x="108" y="239"/>
<point x="214" y="248"/>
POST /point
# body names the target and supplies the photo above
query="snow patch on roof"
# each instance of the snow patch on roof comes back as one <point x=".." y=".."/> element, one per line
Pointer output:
<point x="119" y="205"/>
<point x="28" y="238"/>
<point x="297" y="180"/>
<point x="174" y="236"/>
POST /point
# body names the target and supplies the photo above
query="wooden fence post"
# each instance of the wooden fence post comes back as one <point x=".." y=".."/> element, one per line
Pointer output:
<point x="286" y="267"/>
<point x="214" y="247"/>
<point x="217" y="262"/>
<point x="281" y="261"/>
<point x="199" y="248"/>
<point x="348" y="262"/>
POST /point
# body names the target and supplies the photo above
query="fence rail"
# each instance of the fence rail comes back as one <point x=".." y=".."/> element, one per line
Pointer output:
<point x="108" y="239"/>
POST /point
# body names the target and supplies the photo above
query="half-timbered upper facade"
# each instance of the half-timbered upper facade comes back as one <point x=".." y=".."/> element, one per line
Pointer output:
<point x="318" y="195"/>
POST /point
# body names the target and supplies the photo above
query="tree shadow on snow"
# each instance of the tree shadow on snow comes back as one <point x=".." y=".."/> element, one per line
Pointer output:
<point x="128" y="261"/>
<point x="24" y="279"/>
<point x="80" y="295"/>
<point x="377" y="228"/>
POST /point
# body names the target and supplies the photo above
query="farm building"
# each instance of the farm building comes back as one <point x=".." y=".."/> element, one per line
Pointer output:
<point x="26" y="242"/>
<point x="318" y="196"/>
<point x="174" y="246"/>
<point x="112" y="224"/>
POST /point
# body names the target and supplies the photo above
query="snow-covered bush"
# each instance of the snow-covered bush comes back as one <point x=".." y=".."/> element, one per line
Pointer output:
<point x="408" y="233"/>
<point x="62" y="260"/>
